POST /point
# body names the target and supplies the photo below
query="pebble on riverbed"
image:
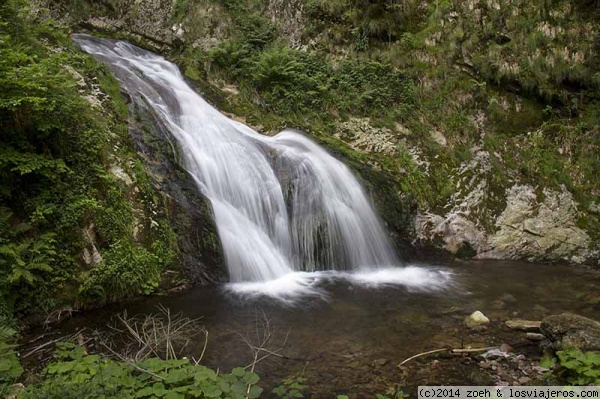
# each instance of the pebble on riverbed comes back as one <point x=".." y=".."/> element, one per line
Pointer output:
<point x="476" y="319"/>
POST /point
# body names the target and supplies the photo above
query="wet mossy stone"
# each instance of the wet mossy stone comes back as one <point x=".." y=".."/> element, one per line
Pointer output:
<point x="571" y="331"/>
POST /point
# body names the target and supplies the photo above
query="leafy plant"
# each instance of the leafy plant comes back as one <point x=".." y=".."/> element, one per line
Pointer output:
<point x="578" y="368"/>
<point x="291" y="387"/>
<point x="75" y="374"/>
<point x="10" y="368"/>
<point x="127" y="270"/>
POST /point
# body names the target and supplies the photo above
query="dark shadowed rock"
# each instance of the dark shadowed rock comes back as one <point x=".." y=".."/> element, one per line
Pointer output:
<point x="569" y="330"/>
<point x="189" y="212"/>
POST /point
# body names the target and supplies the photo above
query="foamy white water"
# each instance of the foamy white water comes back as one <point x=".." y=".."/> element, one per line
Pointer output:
<point x="291" y="288"/>
<point x="282" y="204"/>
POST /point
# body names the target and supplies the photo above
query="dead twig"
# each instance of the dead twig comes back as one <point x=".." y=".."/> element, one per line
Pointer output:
<point x="164" y="334"/>
<point x="131" y="363"/>
<point x="42" y="346"/>
<point x="450" y="350"/>
<point x="259" y="345"/>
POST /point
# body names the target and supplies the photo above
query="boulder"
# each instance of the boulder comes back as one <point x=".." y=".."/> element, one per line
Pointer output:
<point x="571" y="331"/>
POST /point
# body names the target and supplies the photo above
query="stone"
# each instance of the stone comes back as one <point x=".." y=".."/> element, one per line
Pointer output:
<point x="120" y="174"/>
<point x="506" y="348"/>
<point x="571" y="331"/>
<point x="539" y="230"/>
<point x="379" y="362"/>
<point x="523" y="325"/>
<point x="524" y="380"/>
<point x="508" y="298"/>
<point x="360" y="135"/>
<point x="439" y="137"/>
<point x="476" y="319"/>
<point x="535" y="337"/>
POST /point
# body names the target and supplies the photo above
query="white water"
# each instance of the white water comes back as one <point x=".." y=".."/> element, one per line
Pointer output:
<point x="282" y="204"/>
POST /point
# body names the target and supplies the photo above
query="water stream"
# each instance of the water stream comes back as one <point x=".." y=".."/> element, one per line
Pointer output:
<point x="282" y="204"/>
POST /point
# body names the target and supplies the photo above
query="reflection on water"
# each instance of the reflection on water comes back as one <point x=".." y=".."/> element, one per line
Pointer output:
<point x="347" y="325"/>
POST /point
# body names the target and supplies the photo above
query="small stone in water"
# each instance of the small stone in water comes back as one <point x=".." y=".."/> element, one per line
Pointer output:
<point x="535" y="337"/>
<point x="476" y="319"/>
<point x="506" y="348"/>
<point x="508" y="298"/>
<point x="380" y="362"/>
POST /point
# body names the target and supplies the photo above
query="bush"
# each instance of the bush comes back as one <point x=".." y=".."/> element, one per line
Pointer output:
<point x="126" y="270"/>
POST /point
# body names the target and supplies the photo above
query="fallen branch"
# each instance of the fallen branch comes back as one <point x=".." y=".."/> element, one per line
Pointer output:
<point x="131" y="362"/>
<point x="450" y="350"/>
<point x="63" y="338"/>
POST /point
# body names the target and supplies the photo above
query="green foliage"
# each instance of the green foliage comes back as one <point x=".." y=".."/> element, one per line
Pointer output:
<point x="256" y="29"/>
<point x="10" y="368"/>
<point x="57" y="194"/>
<point x="180" y="9"/>
<point x="127" y="270"/>
<point x="380" y="20"/>
<point x="578" y="368"/>
<point x="291" y="387"/>
<point x="75" y="375"/>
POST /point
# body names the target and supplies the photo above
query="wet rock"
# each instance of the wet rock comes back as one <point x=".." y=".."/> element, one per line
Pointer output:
<point x="452" y="310"/>
<point x="523" y="325"/>
<point x="535" y="337"/>
<point x="379" y="362"/>
<point x="498" y="304"/>
<point x="508" y="298"/>
<point x="569" y="330"/>
<point x="506" y="348"/>
<point x="476" y="319"/>
<point x="189" y="212"/>
<point x="494" y="354"/>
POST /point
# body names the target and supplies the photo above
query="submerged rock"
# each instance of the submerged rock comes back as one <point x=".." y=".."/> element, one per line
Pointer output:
<point x="476" y="319"/>
<point x="571" y="331"/>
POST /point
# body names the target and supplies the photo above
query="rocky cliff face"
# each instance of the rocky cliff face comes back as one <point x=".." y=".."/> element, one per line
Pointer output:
<point x="483" y="167"/>
<point x="189" y="213"/>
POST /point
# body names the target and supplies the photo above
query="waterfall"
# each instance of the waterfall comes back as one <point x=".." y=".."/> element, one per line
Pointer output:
<point x="281" y="203"/>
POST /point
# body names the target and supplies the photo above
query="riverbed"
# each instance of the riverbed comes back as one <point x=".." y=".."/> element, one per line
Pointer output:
<point x="350" y="336"/>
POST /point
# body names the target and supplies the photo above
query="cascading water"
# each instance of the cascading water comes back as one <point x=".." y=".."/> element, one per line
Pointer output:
<point x="281" y="203"/>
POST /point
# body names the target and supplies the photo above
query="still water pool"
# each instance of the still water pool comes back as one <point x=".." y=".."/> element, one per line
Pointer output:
<point x="348" y="333"/>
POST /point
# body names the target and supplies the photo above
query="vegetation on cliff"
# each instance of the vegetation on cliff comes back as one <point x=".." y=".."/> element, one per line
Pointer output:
<point x="73" y="198"/>
<point x="458" y="102"/>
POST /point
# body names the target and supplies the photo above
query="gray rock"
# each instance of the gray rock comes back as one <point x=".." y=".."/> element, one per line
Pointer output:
<point x="523" y="325"/>
<point x="535" y="337"/>
<point x="379" y="362"/>
<point x="539" y="230"/>
<point x="568" y="330"/>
